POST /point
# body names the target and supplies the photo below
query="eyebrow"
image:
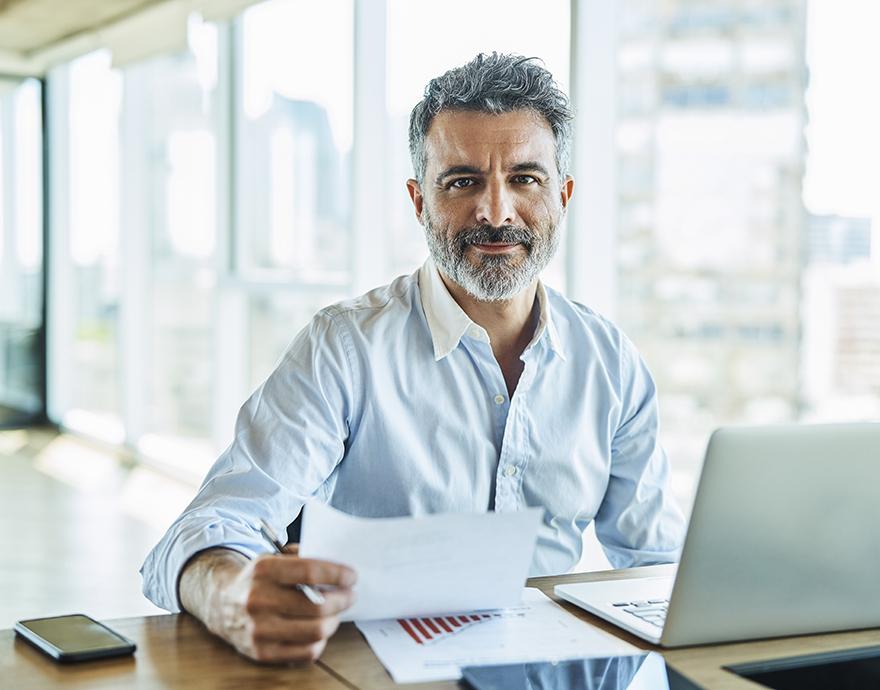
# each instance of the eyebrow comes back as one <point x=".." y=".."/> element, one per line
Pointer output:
<point x="457" y="170"/>
<point x="528" y="166"/>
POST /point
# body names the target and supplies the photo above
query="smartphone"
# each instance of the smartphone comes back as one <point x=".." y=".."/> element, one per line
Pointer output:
<point x="647" y="671"/>
<point x="76" y="637"/>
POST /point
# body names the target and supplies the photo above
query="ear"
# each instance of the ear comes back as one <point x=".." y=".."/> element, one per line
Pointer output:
<point x="566" y="191"/>
<point x="415" y="194"/>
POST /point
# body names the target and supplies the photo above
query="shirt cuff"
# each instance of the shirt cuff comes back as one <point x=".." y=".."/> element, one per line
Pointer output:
<point x="162" y="568"/>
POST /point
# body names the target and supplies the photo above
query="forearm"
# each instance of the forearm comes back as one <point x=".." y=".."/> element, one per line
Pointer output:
<point x="203" y="579"/>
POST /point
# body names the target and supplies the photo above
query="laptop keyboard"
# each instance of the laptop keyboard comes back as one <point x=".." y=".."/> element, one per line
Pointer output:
<point x="651" y="611"/>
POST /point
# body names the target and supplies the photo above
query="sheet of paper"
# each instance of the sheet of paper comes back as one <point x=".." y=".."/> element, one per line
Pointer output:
<point x="412" y="566"/>
<point x="416" y="650"/>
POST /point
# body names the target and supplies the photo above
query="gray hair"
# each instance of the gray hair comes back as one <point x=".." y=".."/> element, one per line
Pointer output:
<point x="495" y="84"/>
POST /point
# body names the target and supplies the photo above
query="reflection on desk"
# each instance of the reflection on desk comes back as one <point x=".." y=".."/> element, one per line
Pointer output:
<point x="632" y="672"/>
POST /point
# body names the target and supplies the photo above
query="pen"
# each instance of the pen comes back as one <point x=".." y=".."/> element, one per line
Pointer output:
<point x="312" y="594"/>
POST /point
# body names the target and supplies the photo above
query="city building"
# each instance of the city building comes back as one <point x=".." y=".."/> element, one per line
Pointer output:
<point x="711" y="223"/>
<point x="837" y="239"/>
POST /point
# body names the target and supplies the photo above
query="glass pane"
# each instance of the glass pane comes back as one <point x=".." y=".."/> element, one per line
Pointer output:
<point x="748" y="252"/>
<point x="170" y="118"/>
<point x="841" y="295"/>
<point x="295" y="138"/>
<point x="420" y="48"/>
<point x="273" y="321"/>
<point x="94" y="93"/>
<point x="21" y="252"/>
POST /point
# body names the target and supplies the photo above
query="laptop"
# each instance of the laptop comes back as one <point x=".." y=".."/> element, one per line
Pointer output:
<point x="784" y="539"/>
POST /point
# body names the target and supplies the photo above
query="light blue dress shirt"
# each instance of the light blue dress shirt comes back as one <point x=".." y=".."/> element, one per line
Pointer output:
<point x="393" y="404"/>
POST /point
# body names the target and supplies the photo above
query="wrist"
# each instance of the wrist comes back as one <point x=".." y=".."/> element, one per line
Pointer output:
<point x="204" y="578"/>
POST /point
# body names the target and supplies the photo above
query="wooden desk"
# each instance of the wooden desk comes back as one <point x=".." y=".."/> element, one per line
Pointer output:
<point x="176" y="652"/>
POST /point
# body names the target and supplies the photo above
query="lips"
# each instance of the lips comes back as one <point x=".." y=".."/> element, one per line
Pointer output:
<point x="494" y="240"/>
<point x="495" y="246"/>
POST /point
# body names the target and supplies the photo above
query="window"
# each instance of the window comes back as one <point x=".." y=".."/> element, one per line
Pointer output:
<point x="84" y="367"/>
<point x="21" y="251"/>
<point x="841" y="287"/>
<point x="171" y="164"/>
<point x="295" y="140"/>
<point x="294" y="129"/>
<point x="137" y="187"/>
<point x="748" y="287"/>
<point x="162" y="355"/>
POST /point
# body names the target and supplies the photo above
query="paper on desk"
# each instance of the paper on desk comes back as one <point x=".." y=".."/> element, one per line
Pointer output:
<point x="537" y="630"/>
<point x="411" y="566"/>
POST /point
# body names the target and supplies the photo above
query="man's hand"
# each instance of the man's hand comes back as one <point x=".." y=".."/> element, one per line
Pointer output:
<point x="255" y="606"/>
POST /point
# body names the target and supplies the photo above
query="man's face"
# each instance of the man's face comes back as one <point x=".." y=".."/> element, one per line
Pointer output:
<point x="491" y="199"/>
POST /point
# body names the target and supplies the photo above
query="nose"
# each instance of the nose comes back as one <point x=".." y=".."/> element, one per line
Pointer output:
<point x="495" y="205"/>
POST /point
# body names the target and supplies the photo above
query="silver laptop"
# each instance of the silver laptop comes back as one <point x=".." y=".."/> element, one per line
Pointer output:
<point x="784" y="539"/>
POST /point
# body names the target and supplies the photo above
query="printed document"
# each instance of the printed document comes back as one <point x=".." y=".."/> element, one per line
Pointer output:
<point x="414" y="566"/>
<point x="427" y="648"/>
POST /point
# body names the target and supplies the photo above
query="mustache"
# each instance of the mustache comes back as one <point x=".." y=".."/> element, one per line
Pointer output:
<point x="489" y="234"/>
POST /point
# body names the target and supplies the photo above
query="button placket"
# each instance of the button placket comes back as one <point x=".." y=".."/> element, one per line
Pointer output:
<point x="519" y="460"/>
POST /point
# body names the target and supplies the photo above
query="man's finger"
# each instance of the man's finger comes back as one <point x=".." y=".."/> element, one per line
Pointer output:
<point x="298" y="631"/>
<point x="287" y="601"/>
<point x="284" y="653"/>
<point x="335" y="601"/>
<point x="287" y="570"/>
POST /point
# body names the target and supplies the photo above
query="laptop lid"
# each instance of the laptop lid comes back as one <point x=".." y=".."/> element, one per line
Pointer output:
<point x="784" y="537"/>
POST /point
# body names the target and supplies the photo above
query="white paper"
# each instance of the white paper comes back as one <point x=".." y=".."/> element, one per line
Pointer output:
<point x="537" y="630"/>
<point x="413" y="566"/>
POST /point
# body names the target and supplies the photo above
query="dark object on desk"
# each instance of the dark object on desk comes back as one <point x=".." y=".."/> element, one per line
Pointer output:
<point x="610" y="673"/>
<point x="76" y="637"/>
<point x="851" y="669"/>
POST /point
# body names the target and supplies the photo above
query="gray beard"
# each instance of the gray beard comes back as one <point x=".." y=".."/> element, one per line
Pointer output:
<point x="498" y="277"/>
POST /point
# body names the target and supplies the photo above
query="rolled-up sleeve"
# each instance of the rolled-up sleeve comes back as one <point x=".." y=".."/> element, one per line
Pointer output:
<point x="289" y="437"/>
<point x="638" y="522"/>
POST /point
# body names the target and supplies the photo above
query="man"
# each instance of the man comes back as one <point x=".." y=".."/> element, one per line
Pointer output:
<point x="467" y="386"/>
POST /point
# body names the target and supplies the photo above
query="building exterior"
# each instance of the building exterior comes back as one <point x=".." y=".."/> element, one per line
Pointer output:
<point x="837" y="239"/>
<point x="711" y="223"/>
<point x="841" y="354"/>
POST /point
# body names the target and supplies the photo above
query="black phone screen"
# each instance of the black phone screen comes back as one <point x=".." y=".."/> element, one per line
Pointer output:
<point x="73" y="635"/>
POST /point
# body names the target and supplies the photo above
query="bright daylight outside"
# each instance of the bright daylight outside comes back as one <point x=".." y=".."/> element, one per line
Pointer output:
<point x="747" y="224"/>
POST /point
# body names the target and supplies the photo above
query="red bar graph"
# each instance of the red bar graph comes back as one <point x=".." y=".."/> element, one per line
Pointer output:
<point x="431" y="629"/>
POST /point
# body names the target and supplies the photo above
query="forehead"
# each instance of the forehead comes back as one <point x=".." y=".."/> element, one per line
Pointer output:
<point x="458" y="137"/>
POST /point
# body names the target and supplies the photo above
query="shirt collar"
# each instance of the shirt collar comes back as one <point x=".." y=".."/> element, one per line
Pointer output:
<point x="545" y="321"/>
<point x="448" y="322"/>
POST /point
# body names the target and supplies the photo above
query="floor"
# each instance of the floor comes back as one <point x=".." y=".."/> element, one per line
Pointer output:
<point x="76" y="522"/>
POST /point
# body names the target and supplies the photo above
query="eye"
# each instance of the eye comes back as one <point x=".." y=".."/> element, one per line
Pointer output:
<point x="525" y="179"/>
<point x="461" y="183"/>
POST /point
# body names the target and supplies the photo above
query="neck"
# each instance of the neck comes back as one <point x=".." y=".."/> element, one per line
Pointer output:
<point x="509" y="323"/>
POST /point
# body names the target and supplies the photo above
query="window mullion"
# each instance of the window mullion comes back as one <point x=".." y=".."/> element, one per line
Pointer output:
<point x="369" y="218"/>
<point x="591" y="239"/>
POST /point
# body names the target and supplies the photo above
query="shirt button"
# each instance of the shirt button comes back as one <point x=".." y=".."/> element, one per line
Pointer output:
<point x="510" y="470"/>
<point x="499" y="399"/>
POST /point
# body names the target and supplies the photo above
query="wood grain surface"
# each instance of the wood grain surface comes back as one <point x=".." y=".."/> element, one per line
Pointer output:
<point x="175" y="651"/>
